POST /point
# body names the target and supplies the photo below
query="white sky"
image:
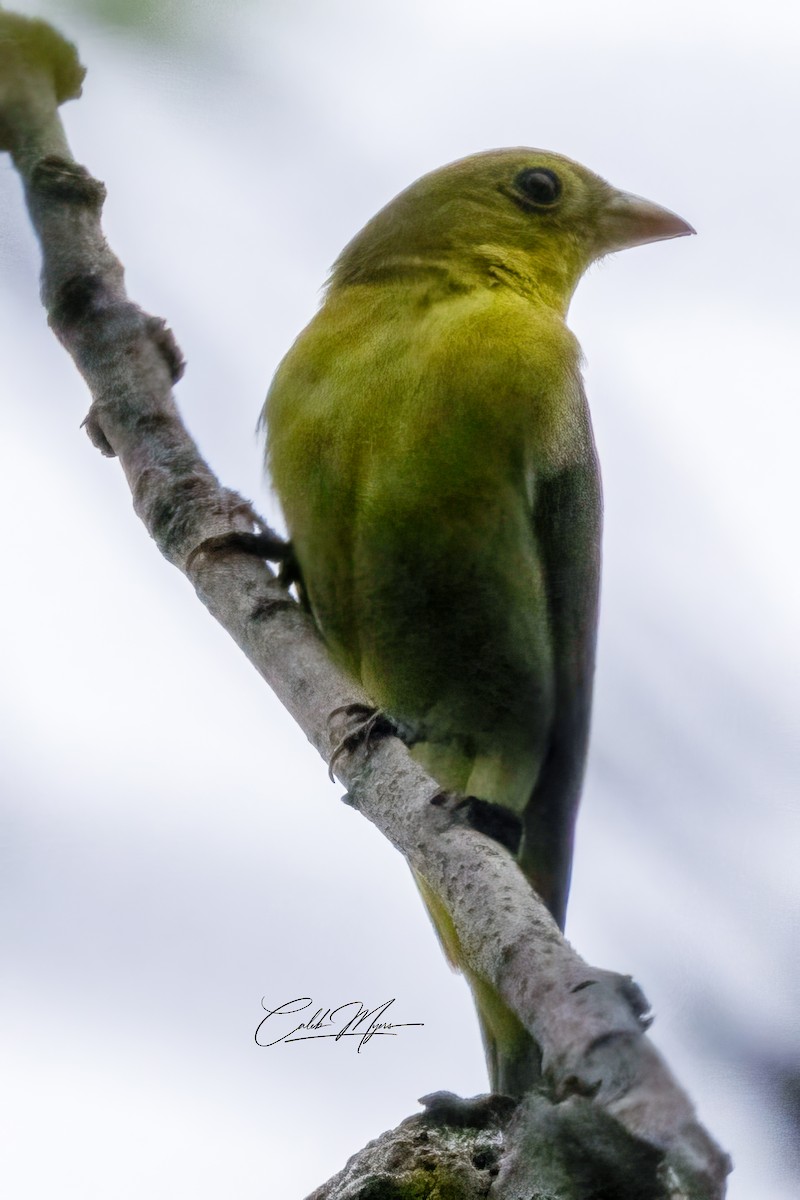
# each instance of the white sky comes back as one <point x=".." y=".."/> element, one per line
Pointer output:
<point x="171" y="848"/>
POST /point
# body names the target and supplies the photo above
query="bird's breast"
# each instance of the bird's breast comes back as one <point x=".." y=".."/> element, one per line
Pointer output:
<point x="407" y="444"/>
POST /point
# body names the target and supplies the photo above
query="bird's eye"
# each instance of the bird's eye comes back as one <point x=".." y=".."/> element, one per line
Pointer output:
<point x="539" y="186"/>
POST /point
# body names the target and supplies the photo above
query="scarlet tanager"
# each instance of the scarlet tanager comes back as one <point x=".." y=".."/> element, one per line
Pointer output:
<point x="430" y="443"/>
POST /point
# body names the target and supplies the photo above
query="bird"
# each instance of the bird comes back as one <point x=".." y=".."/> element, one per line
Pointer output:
<point x="429" y="441"/>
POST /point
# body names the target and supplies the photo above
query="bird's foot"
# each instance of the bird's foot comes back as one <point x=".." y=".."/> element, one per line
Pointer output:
<point x="361" y="724"/>
<point x="483" y="815"/>
<point x="264" y="544"/>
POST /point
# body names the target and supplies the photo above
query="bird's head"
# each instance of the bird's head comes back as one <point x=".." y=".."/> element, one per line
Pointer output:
<point x="539" y="217"/>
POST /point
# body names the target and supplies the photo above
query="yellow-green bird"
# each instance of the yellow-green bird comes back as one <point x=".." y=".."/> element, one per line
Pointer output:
<point x="430" y="443"/>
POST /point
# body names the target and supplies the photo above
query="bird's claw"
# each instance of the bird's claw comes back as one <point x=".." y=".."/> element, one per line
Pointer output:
<point x="263" y="543"/>
<point x="484" y="816"/>
<point x="365" y="723"/>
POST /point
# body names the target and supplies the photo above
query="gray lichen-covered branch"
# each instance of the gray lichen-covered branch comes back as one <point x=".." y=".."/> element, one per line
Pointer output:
<point x="609" y="1110"/>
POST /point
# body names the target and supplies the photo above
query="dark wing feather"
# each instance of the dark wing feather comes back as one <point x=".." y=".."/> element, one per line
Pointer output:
<point x="567" y="526"/>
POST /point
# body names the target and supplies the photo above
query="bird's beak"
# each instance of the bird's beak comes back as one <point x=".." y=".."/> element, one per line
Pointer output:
<point x="629" y="220"/>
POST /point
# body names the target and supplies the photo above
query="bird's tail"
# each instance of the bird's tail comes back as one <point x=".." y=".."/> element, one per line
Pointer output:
<point x="512" y="1056"/>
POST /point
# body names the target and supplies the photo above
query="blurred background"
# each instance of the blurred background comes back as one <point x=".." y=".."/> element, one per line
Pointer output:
<point x="171" y="849"/>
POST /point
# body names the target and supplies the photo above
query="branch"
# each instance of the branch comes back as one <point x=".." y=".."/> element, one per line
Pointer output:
<point x="590" y="1024"/>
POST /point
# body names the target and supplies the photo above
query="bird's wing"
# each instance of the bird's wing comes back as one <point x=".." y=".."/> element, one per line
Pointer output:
<point x="567" y="528"/>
